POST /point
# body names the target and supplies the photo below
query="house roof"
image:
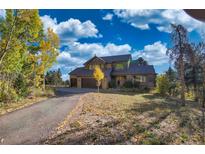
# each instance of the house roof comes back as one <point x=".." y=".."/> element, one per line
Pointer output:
<point x="117" y="58"/>
<point x="111" y="59"/>
<point x="95" y="57"/>
<point x="81" y="71"/>
<point x="135" y="69"/>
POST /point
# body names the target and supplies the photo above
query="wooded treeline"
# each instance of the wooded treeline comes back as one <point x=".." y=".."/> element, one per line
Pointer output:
<point x="53" y="78"/>
<point x="187" y="79"/>
<point x="26" y="53"/>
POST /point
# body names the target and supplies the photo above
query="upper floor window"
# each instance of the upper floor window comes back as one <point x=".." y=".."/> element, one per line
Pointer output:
<point x="119" y="66"/>
<point x="93" y="66"/>
<point x="109" y="66"/>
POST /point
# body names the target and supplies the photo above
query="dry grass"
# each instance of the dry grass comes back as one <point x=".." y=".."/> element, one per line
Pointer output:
<point x="128" y="118"/>
<point x="37" y="96"/>
<point x="12" y="106"/>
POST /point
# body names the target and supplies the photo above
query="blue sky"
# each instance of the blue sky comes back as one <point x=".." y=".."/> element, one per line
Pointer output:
<point x="142" y="33"/>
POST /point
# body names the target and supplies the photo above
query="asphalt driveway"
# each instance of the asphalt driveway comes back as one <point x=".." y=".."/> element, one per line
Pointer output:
<point x="34" y="123"/>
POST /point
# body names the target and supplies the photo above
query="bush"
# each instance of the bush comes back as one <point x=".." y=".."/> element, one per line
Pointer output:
<point x="136" y="84"/>
<point x="145" y="88"/>
<point x="162" y="84"/>
<point x="7" y="93"/>
<point x="21" y="86"/>
<point x="190" y="95"/>
<point x="38" y="92"/>
<point x="112" y="84"/>
<point x="128" y="84"/>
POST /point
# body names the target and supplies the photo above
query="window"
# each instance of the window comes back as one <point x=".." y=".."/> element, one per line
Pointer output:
<point x="119" y="66"/>
<point x="93" y="66"/>
<point x="109" y="66"/>
<point x="140" y="78"/>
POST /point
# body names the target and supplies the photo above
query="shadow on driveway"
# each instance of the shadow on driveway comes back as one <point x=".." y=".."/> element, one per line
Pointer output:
<point x="71" y="91"/>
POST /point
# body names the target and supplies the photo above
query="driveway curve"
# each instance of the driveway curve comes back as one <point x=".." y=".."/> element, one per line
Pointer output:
<point x="35" y="123"/>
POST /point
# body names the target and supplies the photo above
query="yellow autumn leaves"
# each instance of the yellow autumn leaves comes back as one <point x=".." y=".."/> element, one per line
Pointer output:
<point x="98" y="76"/>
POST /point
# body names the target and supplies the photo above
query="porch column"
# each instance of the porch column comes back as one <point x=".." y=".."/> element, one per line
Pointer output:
<point x="79" y="82"/>
<point x="104" y="83"/>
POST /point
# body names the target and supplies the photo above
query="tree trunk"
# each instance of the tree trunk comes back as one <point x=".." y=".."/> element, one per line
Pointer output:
<point x="195" y="84"/>
<point x="44" y="83"/>
<point x="98" y="86"/>
<point x="182" y="79"/>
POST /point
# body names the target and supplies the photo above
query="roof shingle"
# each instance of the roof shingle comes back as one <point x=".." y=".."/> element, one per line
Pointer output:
<point x="132" y="70"/>
<point x="117" y="58"/>
<point x="135" y="69"/>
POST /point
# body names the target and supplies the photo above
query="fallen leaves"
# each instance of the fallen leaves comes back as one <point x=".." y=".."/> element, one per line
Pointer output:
<point x="122" y="118"/>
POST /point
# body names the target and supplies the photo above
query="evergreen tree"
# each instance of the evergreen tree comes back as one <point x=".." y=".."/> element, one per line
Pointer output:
<point x="172" y="78"/>
<point x="140" y="61"/>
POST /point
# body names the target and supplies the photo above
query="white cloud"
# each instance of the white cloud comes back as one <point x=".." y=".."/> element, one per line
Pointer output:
<point x="155" y="53"/>
<point x="48" y="22"/>
<point x="72" y="29"/>
<point x="65" y="57"/>
<point x="108" y="16"/>
<point x="142" y="27"/>
<point x="67" y="63"/>
<point x="136" y="18"/>
<point x="91" y="49"/>
<point x="65" y="77"/>
<point x="161" y="18"/>
<point x="2" y="13"/>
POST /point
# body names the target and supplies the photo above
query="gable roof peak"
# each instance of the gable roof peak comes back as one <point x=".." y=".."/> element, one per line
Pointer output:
<point x="94" y="58"/>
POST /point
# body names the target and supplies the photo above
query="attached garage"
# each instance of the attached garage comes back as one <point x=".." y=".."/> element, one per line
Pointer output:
<point x="88" y="83"/>
<point x="73" y="82"/>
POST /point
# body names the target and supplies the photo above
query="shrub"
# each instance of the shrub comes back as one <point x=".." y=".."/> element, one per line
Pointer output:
<point x="136" y="84"/>
<point x="8" y="93"/>
<point x="21" y="86"/>
<point x="145" y="88"/>
<point x="189" y="95"/>
<point x="112" y="84"/>
<point x="128" y="84"/>
<point x="162" y="84"/>
<point x="38" y="92"/>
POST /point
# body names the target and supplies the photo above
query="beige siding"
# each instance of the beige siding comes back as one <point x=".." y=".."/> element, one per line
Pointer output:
<point x="104" y="83"/>
<point x="120" y="80"/>
<point x="79" y="82"/>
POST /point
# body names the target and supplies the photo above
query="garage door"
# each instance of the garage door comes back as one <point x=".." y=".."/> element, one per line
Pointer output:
<point x="88" y="83"/>
<point x="73" y="82"/>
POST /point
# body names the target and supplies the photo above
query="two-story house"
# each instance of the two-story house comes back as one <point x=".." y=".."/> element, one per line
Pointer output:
<point x="116" y="68"/>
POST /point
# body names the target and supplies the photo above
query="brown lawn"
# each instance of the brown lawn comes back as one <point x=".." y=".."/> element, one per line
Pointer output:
<point x="12" y="106"/>
<point x="129" y="118"/>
